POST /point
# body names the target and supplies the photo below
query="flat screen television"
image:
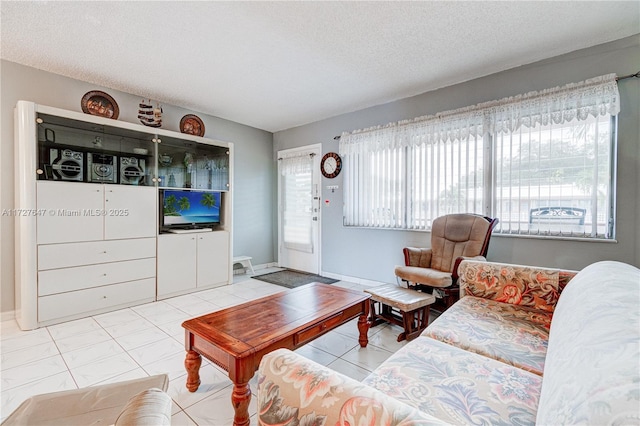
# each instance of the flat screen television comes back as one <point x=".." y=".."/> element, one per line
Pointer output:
<point x="184" y="209"/>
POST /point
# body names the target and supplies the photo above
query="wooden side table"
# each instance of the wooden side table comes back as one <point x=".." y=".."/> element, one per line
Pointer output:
<point x="401" y="306"/>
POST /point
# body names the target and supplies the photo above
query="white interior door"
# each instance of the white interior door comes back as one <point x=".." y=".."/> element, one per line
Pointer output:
<point x="299" y="208"/>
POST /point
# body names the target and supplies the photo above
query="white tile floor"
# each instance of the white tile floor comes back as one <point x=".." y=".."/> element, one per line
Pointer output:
<point x="148" y="339"/>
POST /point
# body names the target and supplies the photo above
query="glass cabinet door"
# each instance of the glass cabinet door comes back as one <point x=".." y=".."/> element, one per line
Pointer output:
<point x="77" y="151"/>
<point x="187" y="164"/>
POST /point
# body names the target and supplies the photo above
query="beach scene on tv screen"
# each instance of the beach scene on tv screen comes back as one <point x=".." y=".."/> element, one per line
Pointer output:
<point x="189" y="207"/>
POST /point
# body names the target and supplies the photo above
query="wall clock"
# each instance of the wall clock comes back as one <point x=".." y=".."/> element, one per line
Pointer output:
<point x="331" y="165"/>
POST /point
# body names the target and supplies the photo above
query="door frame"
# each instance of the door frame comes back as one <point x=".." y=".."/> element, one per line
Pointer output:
<point x="317" y="180"/>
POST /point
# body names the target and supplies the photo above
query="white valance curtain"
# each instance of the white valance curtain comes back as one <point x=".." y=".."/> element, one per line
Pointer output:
<point x="595" y="97"/>
<point x="404" y="174"/>
<point x="296" y="163"/>
<point x="449" y="126"/>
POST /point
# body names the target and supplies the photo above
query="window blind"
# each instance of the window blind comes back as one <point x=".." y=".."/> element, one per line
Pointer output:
<point x="541" y="162"/>
<point x="298" y="202"/>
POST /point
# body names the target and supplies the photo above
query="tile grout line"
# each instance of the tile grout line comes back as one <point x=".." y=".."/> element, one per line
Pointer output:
<point x="63" y="360"/>
<point x="246" y="288"/>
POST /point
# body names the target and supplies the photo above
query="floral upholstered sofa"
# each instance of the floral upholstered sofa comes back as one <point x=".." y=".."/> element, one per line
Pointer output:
<point x="524" y="345"/>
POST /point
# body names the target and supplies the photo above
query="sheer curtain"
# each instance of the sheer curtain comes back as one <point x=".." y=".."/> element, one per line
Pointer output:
<point x="499" y="158"/>
<point x="296" y="171"/>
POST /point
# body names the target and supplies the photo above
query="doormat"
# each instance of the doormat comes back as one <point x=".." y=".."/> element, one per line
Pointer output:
<point x="292" y="279"/>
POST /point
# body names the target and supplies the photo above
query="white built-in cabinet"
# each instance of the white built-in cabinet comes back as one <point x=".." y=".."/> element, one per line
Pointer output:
<point x="191" y="261"/>
<point x="210" y="265"/>
<point x="94" y="212"/>
<point x="87" y="244"/>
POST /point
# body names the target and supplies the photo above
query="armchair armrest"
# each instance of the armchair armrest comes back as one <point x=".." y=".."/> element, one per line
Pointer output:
<point x="530" y="286"/>
<point x="420" y="257"/>
<point x="293" y="389"/>
<point x="458" y="261"/>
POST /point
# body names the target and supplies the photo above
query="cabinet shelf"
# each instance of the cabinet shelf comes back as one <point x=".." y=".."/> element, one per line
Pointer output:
<point x="79" y="151"/>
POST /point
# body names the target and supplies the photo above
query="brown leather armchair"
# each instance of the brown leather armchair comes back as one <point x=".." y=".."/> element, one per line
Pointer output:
<point x="454" y="237"/>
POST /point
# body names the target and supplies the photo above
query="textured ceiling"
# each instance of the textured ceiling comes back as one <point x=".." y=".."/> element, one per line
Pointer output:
<point x="277" y="65"/>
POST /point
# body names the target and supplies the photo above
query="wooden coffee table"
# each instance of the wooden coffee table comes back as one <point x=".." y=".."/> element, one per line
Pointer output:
<point x="238" y="337"/>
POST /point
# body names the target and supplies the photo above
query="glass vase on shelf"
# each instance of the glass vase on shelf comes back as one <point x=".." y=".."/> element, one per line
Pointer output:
<point x="220" y="173"/>
<point x="188" y="166"/>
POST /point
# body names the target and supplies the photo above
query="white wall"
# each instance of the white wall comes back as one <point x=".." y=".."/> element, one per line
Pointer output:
<point x="372" y="254"/>
<point x="254" y="180"/>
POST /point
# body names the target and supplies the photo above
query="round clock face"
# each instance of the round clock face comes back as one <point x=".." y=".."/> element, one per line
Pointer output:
<point x="331" y="165"/>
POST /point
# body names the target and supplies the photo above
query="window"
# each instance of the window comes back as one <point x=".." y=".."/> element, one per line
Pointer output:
<point x="555" y="179"/>
<point x="542" y="163"/>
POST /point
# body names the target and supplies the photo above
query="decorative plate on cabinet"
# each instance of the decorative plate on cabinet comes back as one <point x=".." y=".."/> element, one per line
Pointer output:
<point x="100" y="103"/>
<point x="192" y="125"/>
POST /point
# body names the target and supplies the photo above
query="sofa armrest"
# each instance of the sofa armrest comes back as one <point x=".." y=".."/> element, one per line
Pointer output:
<point x="293" y="389"/>
<point x="100" y="404"/>
<point x="151" y="407"/>
<point x="530" y="286"/>
<point x="414" y="256"/>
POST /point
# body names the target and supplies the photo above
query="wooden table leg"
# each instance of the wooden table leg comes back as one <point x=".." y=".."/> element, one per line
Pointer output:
<point x="363" y="326"/>
<point x="240" y="398"/>
<point x="192" y="363"/>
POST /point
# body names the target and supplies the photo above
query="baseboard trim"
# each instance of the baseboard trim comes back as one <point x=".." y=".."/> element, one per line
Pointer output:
<point x="266" y="265"/>
<point x="360" y="281"/>
<point x="8" y="316"/>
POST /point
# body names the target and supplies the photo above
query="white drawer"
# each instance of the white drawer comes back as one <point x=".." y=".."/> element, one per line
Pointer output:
<point x="82" y="277"/>
<point x="95" y="299"/>
<point x="53" y="256"/>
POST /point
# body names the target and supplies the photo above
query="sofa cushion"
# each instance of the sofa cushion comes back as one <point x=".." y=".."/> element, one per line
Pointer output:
<point x="512" y="334"/>
<point x="592" y="372"/>
<point x="458" y="386"/>
<point x="293" y="390"/>
<point x="427" y="276"/>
